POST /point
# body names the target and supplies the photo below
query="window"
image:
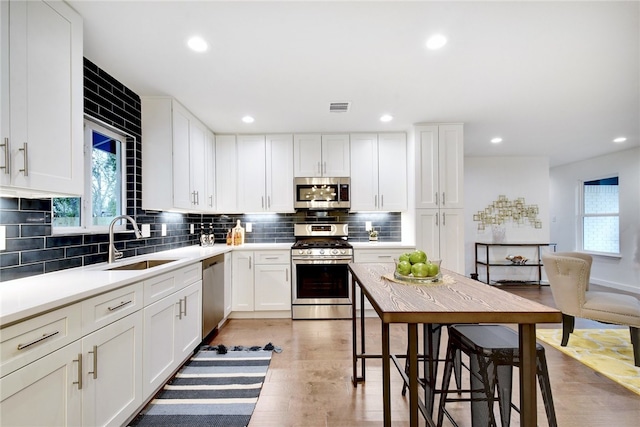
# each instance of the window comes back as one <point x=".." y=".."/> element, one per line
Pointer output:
<point x="601" y="216"/>
<point x="104" y="184"/>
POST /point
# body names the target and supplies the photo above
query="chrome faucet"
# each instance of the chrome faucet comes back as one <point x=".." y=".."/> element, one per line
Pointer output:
<point x="115" y="254"/>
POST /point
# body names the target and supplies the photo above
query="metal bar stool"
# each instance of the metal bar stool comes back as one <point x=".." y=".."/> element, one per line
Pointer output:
<point x="493" y="352"/>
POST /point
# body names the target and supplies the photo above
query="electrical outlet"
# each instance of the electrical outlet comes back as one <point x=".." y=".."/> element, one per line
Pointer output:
<point x="192" y="228"/>
<point x="367" y="225"/>
<point x="164" y="229"/>
<point x="248" y="227"/>
<point x="146" y="230"/>
<point x="3" y="237"/>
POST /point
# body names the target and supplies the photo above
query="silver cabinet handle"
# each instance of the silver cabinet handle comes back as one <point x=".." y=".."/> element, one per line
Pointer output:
<point x="286" y="274"/>
<point x="325" y="167"/>
<point x="436" y="197"/>
<point x="375" y="201"/>
<point x="384" y="256"/>
<point x="7" y="157"/>
<point x="319" y="169"/>
<point x="269" y="202"/>
<point x="179" y="315"/>
<point x="249" y="263"/>
<point x="95" y="362"/>
<point x="436" y="220"/>
<point x="122" y="304"/>
<point x="79" y="360"/>
<point x="211" y="201"/>
<point x="185" y="306"/>
<point x="262" y="202"/>
<point x="25" y="148"/>
<point x="37" y="340"/>
<point x="443" y="199"/>
<point x="382" y="201"/>
<point x="444" y="219"/>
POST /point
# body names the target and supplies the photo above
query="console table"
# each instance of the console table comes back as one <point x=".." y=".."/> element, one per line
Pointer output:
<point x="487" y="262"/>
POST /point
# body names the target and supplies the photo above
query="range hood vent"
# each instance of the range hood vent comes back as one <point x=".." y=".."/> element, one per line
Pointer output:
<point x="339" y="107"/>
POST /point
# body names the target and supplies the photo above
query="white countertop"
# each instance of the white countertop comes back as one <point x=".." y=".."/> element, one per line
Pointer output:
<point x="30" y="296"/>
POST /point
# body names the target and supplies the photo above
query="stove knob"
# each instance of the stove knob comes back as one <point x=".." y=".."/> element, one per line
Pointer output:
<point x="301" y="251"/>
<point x="308" y="251"/>
<point x="334" y="251"/>
<point x="321" y="251"/>
<point x="343" y="251"/>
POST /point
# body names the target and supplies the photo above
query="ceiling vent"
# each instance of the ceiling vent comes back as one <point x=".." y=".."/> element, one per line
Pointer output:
<point x="339" y="107"/>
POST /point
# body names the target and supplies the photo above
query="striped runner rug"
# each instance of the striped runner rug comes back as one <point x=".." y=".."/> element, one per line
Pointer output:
<point x="211" y="389"/>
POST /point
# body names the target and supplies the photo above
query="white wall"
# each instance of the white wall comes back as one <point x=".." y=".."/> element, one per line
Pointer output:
<point x="565" y="185"/>
<point x="485" y="178"/>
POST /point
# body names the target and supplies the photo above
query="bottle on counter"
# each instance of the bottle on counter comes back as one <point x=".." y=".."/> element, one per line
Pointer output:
<point x="229" y="238"/>
<point x="211" y="236"/>
<point x="238" y="234"/>
<point x="204" y="239"/>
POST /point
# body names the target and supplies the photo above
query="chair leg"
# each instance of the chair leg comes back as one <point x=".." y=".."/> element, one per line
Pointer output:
<point x="635" y="343"/>
<point x="545" y="388"/>
<point x="568" y="323"/>
<point x="503" y="383"/>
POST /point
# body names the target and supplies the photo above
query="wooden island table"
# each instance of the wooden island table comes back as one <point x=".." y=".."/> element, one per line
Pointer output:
<point x="455" y="299"/>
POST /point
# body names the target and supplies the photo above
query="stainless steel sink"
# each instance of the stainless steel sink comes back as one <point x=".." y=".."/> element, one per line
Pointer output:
<point x="142" y="265"/>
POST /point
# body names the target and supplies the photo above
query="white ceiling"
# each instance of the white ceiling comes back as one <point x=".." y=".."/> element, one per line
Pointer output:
<point x="556" y="79"/>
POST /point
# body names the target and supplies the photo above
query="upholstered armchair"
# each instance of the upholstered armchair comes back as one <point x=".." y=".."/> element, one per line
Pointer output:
<point x="568" y="274"/>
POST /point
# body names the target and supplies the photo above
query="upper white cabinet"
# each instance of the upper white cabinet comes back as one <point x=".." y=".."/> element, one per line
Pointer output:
<point x="439" y="168"/>
<point x="225" y="173"/>
<point x="177" y="155"/>
<point x="41" y="93"/>
<point x="265" y="173"/>
<point x="379" y="172"/>
<point x="210" y="170"/>
<point x="321" y="155"/>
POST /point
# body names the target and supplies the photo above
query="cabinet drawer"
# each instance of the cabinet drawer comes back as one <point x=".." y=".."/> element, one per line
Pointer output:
<point x="378" y="255"/>
<point x="103" y="309"/>
<point x="32" y="339"/>
<point x="160" y="286"/>
<point x="272" y="257"/>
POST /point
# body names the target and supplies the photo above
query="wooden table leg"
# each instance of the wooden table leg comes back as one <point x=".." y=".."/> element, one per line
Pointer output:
<point x="413" y="374"/>
<point x="386" y="375"/>
<point x="528" y="405"/>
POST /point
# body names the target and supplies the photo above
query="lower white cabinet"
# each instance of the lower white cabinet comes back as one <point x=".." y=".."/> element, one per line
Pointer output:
<point x="95" y="381"/>
<point x="261" y="281"/>
<point x="440" y="233"/>
<point x="172" y="329"/>
<point x="112" y="365"/>
<point x="45" y="392"/>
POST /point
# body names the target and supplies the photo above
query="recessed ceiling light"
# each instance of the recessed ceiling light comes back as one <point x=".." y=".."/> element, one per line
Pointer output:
<point x="436" y="41"/>
<point x="197" y="44"/>
<point x="496" y="140"/>
<point x="386" y="118"/>
<point x="248" y="119"/>
<point x="620" y="139"/>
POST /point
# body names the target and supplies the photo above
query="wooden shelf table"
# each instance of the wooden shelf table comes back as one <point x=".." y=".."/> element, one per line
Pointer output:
<point x="456" y="299"/>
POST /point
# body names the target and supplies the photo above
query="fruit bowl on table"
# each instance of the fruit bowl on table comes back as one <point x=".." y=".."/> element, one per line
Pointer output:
<point x="421" y="270"/>
<point x="413" y="279"/>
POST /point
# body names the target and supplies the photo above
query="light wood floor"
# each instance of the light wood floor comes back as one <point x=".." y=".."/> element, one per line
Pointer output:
<point x="309" y="383"/>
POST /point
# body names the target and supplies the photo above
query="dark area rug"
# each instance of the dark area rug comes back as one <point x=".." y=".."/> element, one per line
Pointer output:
<point x="218" y="386"/>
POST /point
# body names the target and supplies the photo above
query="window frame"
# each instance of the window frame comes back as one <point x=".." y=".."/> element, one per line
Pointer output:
<point x="582" y="215"/>
<point x="92" y="124"/>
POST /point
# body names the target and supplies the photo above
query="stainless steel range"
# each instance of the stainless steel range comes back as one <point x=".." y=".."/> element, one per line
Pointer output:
<point x="319" y="261"/>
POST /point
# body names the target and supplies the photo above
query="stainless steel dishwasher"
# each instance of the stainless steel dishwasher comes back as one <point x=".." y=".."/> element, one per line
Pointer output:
<point x="212" y="293"/>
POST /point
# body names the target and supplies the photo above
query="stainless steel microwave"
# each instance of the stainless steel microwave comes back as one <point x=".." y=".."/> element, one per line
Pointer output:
<point x="322" y="193"/>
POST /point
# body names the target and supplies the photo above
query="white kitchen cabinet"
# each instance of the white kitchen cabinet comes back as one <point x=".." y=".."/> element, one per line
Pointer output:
<point x="172" y="330"/>
<point x="321" y="155"/>
<point x="46" y="392"/>
<point x="379" y="172"/>
<point x="41" y="99"/>
<point x="228" y="269"/>
<point x="265" y="173"/>
<point x="261" y="281"/>
<point x="225" y="172"/>
<point x="210" y="171"/>
<point x="439" y="166"/>
<point x="112" y="364"/>
<point x="440" y="233"/>
<point x="176" y="157"/>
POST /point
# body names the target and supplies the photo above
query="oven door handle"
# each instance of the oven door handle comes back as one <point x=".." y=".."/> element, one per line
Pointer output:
<point x="321" y="261"/>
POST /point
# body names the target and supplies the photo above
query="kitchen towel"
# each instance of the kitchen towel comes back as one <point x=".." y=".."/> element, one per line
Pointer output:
<point x="218" y="386"/>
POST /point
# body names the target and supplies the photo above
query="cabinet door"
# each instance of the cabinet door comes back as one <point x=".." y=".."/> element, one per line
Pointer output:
<point x="364" y="172"/>
<point x="45" y="392"/>
<point x="272" y="287"/>
<point x="197" y="165"/>
<point x="159" y="343"/>
<point x="227" y="284"/>
<point x="451" y="170"/>
<point x="113" y="372"/>
<point x="242" y="277"/>
<point x="226" y="180"/>
<point x="210" y="172"/>
<point x="451" y="224"/>
<point x="251" y="173"/>
<point x="279" y="173"/>
<point x="335" y="156"/>
<point x="392" y="172"/>
<point x="46" y="97"/>
<point x="307" y="155"/>
<point x="182" y="197"/>
<point x="428" y="232"/>
<point x="189" y="321"/>
<point x="427" y="167"/>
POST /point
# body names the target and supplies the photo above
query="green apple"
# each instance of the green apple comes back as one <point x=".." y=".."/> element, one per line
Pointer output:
<point x="418" y="257"/>
<point x="404" y="268"/>
<point x="404" y="257"/>
<point x="432" y="269"/>
<point x="419" y="269"/>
